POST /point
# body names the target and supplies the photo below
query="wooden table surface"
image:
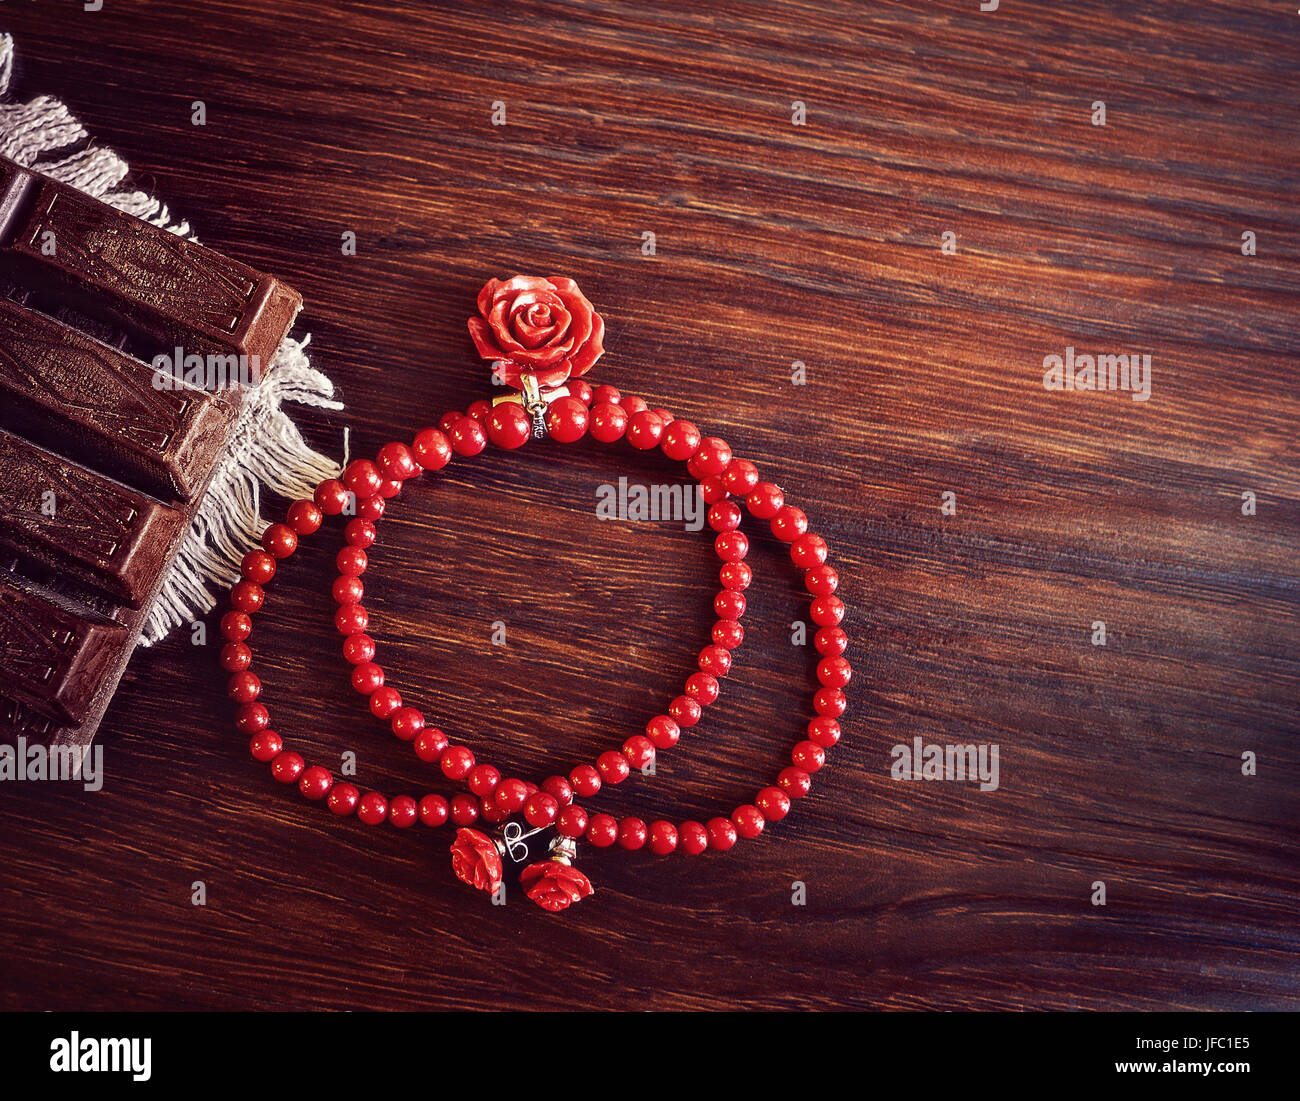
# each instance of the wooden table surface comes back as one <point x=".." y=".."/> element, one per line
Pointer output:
<point x="775" y="243"/>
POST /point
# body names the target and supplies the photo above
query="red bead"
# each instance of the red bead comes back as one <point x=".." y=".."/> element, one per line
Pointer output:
<point x="235" y="657"/>
<point x="608" y="422"/>
<point x="834" y="672"/>
<point x="731" y="546"/>
<point x="566" y="420"/>
<point x="632" y="834"/>
<point x="246" y="597"/>
<point x="305" y="517"/>
<point x="808" y="551"/>
<point x="482" y="780"/>
<point x="663" y="837"/>
<point x="351" y="619"/>
<point x="808" y="756"/>
<point x="795" y="782"/>
<point x="371" y="508"/>
<point x="541" y="809"/>
<point x="508" y="426"/>
<point x="386" y="490"/>
<point x="572" y="821"/>
<point x="432" y="449"/>
<point x="258" y="567"/>
<point x="633" y="404"/>
<point x="468" y="437"/>
<point x="343" y="799"/>
<point x="492" y="814"/>
<point x="602" y="830"/>
<point x="448" y="420"/>
<point x="580" y="390"/>
<point x="403" y="811"/>
<point x="362" y="477"/>
<point x="360" y="532"/>
<point x="358" y="648"/>
<point x="827" y="611"/>
<point x="728" y="633"/>
<point x="824" y="731"/>
<point x="315" y="783"/>
<point x="265" y="746"/>
<point x="735" y="576"/>
<point x="639" y="751"/>
<point x="821" y="580"/>
<point x="664" y="415"/>
<point x="740" y="477"/>
<point x="384" y="701"/>
<point x="692" y="838"/>
<point x="456" y="762"/>
<point x="831" y="641"/>
<point x="560" y="788"/>
<point x="251" y="718"/>
<point x="765" y="500"/>
<point x="715" y="660"/>
<point x="605" y="393"/>
<point x="480" y="410"/>
<point x="332" y="496"/>
<point x="685" y="710"/>
<point x="434" y="810"/>
<point x="724" y="516"/>
<point x="748" y="820"/>
<point x="644" y="430"/>
<point x="722" y="833"/>
<point x="511" y="795"/>
<point x="729" y="605"/>
<point x="831" y="702"/>
<point x="712" y="489"/>
<point x="713" y="457"/>
<point x="584" y="778"/>
<point x="702" y="687"/>
<point x="789" y="524"/>
<point x="613" y="767"/>
<point x="430" y="744"/>
<point x="244" y="687"/>
<point x="663" y="731"/>
<point x="406" y="723"/>
<point x="351" y="561"/>
<point x="372" y="809"/>
<point x="367" y="678"/>
<point x="396" y="462"/>
<point x="347" y="590"/>
<point x="287" y="766"/>
<point x="464" y="809"/>
<point x="681" y="440"/>
<point x="774" y="803"/>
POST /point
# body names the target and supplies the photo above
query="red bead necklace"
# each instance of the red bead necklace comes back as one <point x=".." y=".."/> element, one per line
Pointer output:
<point x="540" y="335"/>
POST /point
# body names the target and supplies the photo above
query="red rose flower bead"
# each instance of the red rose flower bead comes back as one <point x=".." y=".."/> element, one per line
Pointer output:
<point x="722" y="834"/>
<point x="680" y="441"/>
<point x="343" y="799"/>
<point x="602" y="830"/>
<point x="372" y="809"/>
<point x="315" y="783"/>
<point x="774" y="803"/>
<point x="795" y="782"/>
<point x="662" y="837"/>
<point x="508" y="426"/>
<point x="740" y="477"/>
<point x="632" y="834"/>
<point x="403" y="811"/>
<point x="468" y="437"/>
<point x="789" y="524"/>
<point x="287" y="766"/>
<point x="663" y="731"/>
<point x="645" y="430"/>
<point x="613" y="767"/>
<point x="432" y="449"/>
<point x="332" y="496"/>
<point x="434" y="811"/>
<point x="608" y="422"/>
<point x="541" y="809"/>
<point x="572" y="821"/>
<point x="808" y="551"/>
<point x="257" y="567"/>
<point x="748" y="820"/>
<point x="475" y="860"/>
<point x="731" y="546"/>
<point x="713" y="456"/>
<point x="765" y="500"/>
<point x="567" y="420"/>
<point x="692" y="838"/>
<point x="265" y="746"/>
<point x="362" y="477"/>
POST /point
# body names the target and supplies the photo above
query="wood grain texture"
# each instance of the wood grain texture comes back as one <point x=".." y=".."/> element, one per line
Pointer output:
<point x="775" y="243"/>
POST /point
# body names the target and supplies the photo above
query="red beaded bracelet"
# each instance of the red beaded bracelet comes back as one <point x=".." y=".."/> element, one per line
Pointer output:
<point x="541" y="334"/>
